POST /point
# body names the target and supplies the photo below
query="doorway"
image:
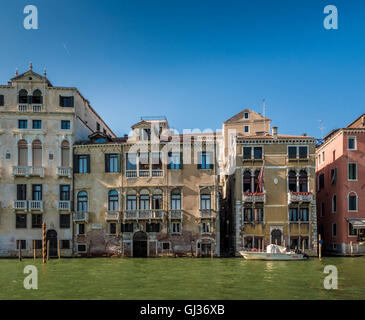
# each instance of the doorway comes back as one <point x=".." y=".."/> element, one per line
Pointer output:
<point x="140" y="244"/>
<point x="51" y="238"/>
<point x="276" y="237"/>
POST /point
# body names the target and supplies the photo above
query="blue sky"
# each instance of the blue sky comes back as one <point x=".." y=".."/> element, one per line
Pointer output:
<point x="197" y="62"/>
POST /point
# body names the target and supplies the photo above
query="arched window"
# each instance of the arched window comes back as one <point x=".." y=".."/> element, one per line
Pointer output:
<point x="82" y="201"/>
<point x="37" y="96"/>
<point x="175" y="200"/>
<point x="65" y="154"/>
<point x="352" y="199"/>
<point x="144" y="200"/>
<point x="113" y="198"/>
<point x="292" y="180"/>
<point x="247" y="181"/>
<point x="22" y="153"/>
<point x="36" y="153"/>
<point x="303" y="181"/>
<point x="23" y="96"/>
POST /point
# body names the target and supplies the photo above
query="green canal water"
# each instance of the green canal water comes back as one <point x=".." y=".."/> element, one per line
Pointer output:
<point x="183" y="278"/>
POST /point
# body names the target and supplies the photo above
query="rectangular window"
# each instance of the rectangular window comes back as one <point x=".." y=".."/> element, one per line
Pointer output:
<point x="144" y="202"/>
<point x="334" y="203"/>
<point x="81" y="228"/>
<point x="303" y="152"/>
<point x="247" y="129"/>
<point x="37" y="124"/>
<point x="292" y="152"/>
<point x="144" y="161"/>
<point x="351" y="143"/>
<point x="334" y="176"/>
<point x="65" y="192"/>
<point x="322" y="209"/>
<point x="165" y="245"/>
<point x="65" y="244"/>
<point x="352" y="171"/>
<point x="157" y="203"/>
<point x="20" y="220"/>
<point x="66" y="102"/>
<point x="81" y="248"/>
<point x="112" y="228"/>
<point x="22" y="124"/>
<point x="82" y="163"/>
<point x="205" y="202"/>
<point x="246" y="115"/>
<point x="334" y="230"/>
<point x="352" y="202"/>
<point x="38" y="244"/>
<point x="156" y="161"/>
<point x="152" y="227"/>
<point x="65" y="124"/>
<point x="175" y="160"/>
<point x="304" y="214"/>
<point x="206" y="160"/>
<point x="176" y="202"/>
<point x="247" y="215"/>
<point x="352" y="231"/>
<point x="37" y="192"/>
<point x="21" y="192"/>
<point x="145" y="134"/>
<point x="247" y="153"/>
<point x="321" y="181"/>
<point x="126" y="227"/>
<point x="65" y="220"/>
<point x="112" y="162"/>
<point x="1" y="100"/>
<point x="22" y="244"/>
<point x="36" y="221"/>
<point x="97" y="126"/>
<point x="131" y="159"/>
<point x="257" y="153"/>
<point x="131" y="203"/>
<point x="293" y="214"/>
<point x="176" y="227"/>
<point x="206" y="227"/>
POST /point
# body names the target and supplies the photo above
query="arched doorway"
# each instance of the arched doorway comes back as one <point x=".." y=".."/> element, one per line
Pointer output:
<point x="51" y="238"/>
<point x="276" y="237"/>
<point x="140" y="244"/>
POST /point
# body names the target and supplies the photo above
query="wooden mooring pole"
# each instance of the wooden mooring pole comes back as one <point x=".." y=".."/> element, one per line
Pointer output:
<point x="47" y="250"/>
<point x="59" y="249"/>
<point x="20" y="250"/>
<point x="319" y="247"/>
<point x="44" y="242"/>
<point x="34" y="252"/>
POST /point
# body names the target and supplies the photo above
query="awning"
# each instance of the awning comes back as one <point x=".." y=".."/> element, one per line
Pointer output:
<point x="357" y="223"/>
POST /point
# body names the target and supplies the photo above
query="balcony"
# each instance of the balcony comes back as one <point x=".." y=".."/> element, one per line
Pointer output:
<point x="36" y="171"/>
<point x="20" y="205"/>
<point x="254" y="197"/>
<point x="157" y="214"/>
<point x="130" y="215"/>
<point x="300" y="197"/>
<point x="207" y="214"/>
<point x="35" y="205"/>
<point x="37" y="107"/>
<point x="25" y="107"/>
<point x="157" y="173"/>
<point x="144" y="215"/>
<point x="144" y="173"/>
<point x="81" y="216"/>
<point x="64" y="172"/>
<point x="64" y="205"/>
<point x="112" y="216"/>
<point x="175" y="215"/>
<point x="131" y="173"/>
<point x="22" y="107"/>
<point x="20" y="171"/>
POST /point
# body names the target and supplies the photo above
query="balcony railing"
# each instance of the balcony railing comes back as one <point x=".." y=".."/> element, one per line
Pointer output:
<point x="36" y="205"/>
<point x="64" y="172"/>
<point x="157" y="173"/>
<point x="22" y="107"/>
<point x="112" y="216"/>
<point x="144" y="214"/>
<point x="144" y="173"/>
<point x="37" y="107"/>
<point x="254" y="197"/>
<point x="21" y="171"/>
<point x="36" y="171"/>
<point x="300" y="197"/>
<point x="176" y="214"/>
<point x="81" y="216"/>
<point x="25" y="107"/>
<point x="131" y="173"/>
<point x="130" y="214"/>
<point x="157" y="214"/>
<point x="206" y="214"/>
<point x="64" y="205"/>
<point x="20" y="205"/>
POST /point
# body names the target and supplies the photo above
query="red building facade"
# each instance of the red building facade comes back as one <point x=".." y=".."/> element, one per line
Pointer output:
<point x="341" y="189"/>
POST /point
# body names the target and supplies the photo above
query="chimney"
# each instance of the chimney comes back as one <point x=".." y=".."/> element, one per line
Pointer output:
<point x="304" y="134"/>
<point x="275" y="132"/>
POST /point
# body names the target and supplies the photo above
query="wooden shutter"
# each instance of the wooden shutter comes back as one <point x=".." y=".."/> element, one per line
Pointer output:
<point x="107" y="162"/>
<point x="76" y="163"/>
<point x="88" y="163"/>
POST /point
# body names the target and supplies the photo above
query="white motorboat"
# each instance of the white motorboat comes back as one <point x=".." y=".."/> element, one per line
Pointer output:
<point x="274" y="252"/>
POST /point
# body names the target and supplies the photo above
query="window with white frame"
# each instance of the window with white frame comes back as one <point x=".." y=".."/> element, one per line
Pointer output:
<point x="352" y="201"/>
<point x="176" y="227"/>
<point x="113" y="200"/>
<point x="82" y="201"/>
<point x="352" y="171"/>
<point x="131" y="202"/>
<point x="175" y="200"/>
<point x="206" y="227"/>
<point x="351" y="143"/>
<point x="205" y="202"/>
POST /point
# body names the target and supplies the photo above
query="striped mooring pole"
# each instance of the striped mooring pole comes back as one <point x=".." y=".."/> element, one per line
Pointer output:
<point x="44" y="245"/>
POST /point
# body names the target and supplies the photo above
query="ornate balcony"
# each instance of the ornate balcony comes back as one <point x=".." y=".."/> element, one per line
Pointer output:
<point x="35" y="205"/>
<point x="20" y="171"/>
<point x="157" y="173"/>
<point x="144" y="173"/>
<point x="20" y="205"/>
<point x="300" y="197"/>
<point x="131" y="173"/>
<point x="22" y="107"/>
<point x="130" y="215"/>
<point x="64" y="205"/>
<point x="81" y="216"/>
<point x="157" y="214"/>
<point x="112" y="216"/>
<point x="64" y="172"/>
<point x="254" y="197"/>
<point x="207" y="214"/>
<point x="144" y="214"/>
<point x="37" y="107"/>
<point x="36" y="171"/>
<point x="175" y="215"/>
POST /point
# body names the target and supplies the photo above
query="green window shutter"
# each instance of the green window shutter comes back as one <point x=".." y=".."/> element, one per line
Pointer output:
<point x="88" y="163"/>
<point x="119" y="163"/>
<point x="76" y="163"/>
<point x="107" y="164"/>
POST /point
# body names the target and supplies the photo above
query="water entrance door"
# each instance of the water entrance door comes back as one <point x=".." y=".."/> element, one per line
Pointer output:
<point x="140" y="244"/>
<point x="276" y="237"/>
<point x="52" y="240"/>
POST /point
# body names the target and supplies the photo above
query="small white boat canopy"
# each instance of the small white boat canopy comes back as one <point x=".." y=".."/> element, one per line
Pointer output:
<point x="273" y="248"/>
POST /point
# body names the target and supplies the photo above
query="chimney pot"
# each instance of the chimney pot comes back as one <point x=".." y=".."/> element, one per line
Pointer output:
<point x="275" y="131"/>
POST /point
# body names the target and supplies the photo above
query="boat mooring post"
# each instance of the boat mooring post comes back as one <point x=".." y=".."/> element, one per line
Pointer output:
<point x="303" y="245"/>
<point x="319" y="247"/>
<point x="34" y="252"/>
<point x="351" y="248"/>
<point x="44" y="242"/>
<point x="20" y="250"/>
<point x="47" y="250"/>
<point x="59" y="249"/>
